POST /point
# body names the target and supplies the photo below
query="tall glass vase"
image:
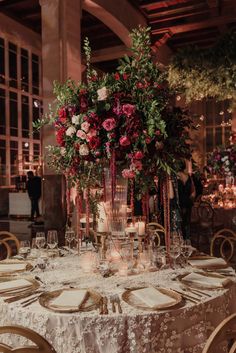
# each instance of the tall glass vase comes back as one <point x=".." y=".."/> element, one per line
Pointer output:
<point x="116" y="203"/>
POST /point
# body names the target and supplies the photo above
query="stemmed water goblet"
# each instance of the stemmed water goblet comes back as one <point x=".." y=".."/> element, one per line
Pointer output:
<point x="24" y="249"/>
<point x="40" y="240"/>
<point x="186" y="250"/>
<point x="69" y="237"/>
<point x="52" y="239"/>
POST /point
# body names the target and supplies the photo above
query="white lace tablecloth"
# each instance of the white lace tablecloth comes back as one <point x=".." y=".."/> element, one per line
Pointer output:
<point x="183" y="330"/>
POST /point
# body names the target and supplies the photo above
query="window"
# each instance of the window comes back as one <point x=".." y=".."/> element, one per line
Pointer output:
<point x="24" y="70"/>
<point x="13" y="160"/>
<point x="35" y="74"/>
<point x="37" y="113"/>
<point x="2" y="112"/>
<point x="2" y="61"/>
<point x="12" y="48"/>
<point x="2" y="162"/>
<point x="36" y="151"/>
<point x="13" y="114"/>
<point x="218" y="122"/>
<point x="25" y="116"/>
<point x="25" y="152"/>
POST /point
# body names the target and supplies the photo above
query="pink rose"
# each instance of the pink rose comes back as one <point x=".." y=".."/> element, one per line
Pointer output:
<point x="85" y="126"/>
<point x="138" y="155"/>
<point x="148" y="140"/>
<point x="128" y="174"/>
<point x="128" y="109"/>
<point x="138" y="165"/>
<point x="92" y="132"/>
<point x="109" y="124"/>
<point x="124" y="141"/>
<point x="81" y="134"/>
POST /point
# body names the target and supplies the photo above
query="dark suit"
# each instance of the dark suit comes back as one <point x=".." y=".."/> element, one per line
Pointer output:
<point x="34" y="192"/>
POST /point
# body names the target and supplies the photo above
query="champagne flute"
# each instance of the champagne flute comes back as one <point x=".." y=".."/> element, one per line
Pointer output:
<point x="52" y="239"/>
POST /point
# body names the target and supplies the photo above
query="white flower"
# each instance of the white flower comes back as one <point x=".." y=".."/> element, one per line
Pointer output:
<point x="63" y="151"/>
<point x="102" y="93"/>
<point x="84" y="150"/>
<point x="227" y="162"/>
<point x="227" y="169"/>
<point x="75" y="119"/>
<point x="70" y="131"/>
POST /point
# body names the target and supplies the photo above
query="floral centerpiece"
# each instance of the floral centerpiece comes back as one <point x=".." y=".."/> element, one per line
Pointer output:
<point x="222" y="161"/>
<point x="124" y="120"/>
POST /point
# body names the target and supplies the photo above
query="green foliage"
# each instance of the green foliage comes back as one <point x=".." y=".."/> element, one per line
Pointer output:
<point x="200" y="73"/>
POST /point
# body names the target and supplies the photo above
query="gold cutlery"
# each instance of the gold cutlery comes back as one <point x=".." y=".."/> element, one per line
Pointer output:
<point x="187" y="296"/>
<point x="30" y="301"/>
<point x="21" y="296"/>
<point x="105" y="308"/>
<point x="112" y="301"/>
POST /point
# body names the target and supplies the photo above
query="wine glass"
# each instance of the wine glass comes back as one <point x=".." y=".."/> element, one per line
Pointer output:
<point x="40" y="240"/>
<point x="186" y="250"/>
<point x="69" y="237"/>
<point x="52" y="239"/>
<point x="175" y="251"/>
<point x="24" y="248"/>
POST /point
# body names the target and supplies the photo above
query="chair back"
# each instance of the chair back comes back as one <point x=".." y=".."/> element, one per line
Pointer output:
<point x="157" y="231"/>
<point x="225" y="331"/>
<point x="223" y="241"/>
<point x="205" y="212"/>
<point x="40" y="344"/>
<point x="9" y="242"/>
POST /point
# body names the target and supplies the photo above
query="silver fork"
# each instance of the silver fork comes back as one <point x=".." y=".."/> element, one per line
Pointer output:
<point x="112" y="301"/>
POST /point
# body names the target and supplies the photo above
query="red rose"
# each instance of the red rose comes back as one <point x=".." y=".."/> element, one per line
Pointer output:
<point x="138" y="155"/>
<point x="60" y="136"/>
<point x="148" y="140"/>
<point x="139" y="85"/>
<point x="124" y="141"/>
<point x="117" y="76"/>
<point x="83" y="104"/>
<point x="94" y="142"/>
<point x="125" y="76"/>
<point x="62" y="115"/>
<point x="138" y="165"/>
<point x="157" y="132"/>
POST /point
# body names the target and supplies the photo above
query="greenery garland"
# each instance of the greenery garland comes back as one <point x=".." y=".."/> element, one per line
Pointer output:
<point x="203" y="73"/>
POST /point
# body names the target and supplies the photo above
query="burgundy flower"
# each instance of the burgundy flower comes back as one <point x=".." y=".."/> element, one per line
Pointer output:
<point x="125" y="76"/>
<point x="83" y="104"/>
<point x="94" y="142"/>
<point x="109" y="124"/>
<point x="60" y="136"/>
<point x="128" y="109"/>
<point x="148" y="140"/>
<point x="138" y="155"/>
<point x="124" y="141"/>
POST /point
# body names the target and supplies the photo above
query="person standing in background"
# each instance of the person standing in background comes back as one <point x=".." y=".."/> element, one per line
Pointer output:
<point x="34" y="191"/>
<point x="187" y="195"/>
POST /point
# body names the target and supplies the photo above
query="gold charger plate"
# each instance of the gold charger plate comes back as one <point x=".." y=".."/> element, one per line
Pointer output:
<point x="91" y="302"/>
<point x="130" y="299"/>
<point x="228" y="281"/>
<point x="12" y="292"/>
<point x="28" y="267"/>
<point x="206" y="266"/>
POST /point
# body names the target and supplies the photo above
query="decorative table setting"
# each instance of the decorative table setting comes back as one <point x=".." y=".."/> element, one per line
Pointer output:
<point x="170" y="310"/>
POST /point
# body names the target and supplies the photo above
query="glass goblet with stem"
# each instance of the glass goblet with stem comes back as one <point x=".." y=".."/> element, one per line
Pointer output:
<point x="186" y="251"/>
<point x="24" y="249"/>
<point x="175" y="251"/>
<point x="52" y="239"/>
<point x="69" y="237"/>
<point x="40" y="240"/>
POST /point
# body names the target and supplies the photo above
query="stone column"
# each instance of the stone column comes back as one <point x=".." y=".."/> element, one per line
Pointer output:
<point x="61" y="59"/>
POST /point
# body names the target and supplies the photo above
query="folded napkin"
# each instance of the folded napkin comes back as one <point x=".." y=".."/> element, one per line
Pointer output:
<point x="14" y="284"/>
<point x="70" y="298"/>
<point x="206" y="281"/>
<point x="153" y="298"/>
<point x="207" y="263"/>
<point x="5" y="267"/>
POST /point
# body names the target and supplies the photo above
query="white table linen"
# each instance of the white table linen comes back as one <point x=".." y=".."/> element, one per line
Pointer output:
<point x="183" y="330"/>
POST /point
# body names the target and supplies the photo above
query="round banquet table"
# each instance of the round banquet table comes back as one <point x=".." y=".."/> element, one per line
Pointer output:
<point x="182" y="330"/>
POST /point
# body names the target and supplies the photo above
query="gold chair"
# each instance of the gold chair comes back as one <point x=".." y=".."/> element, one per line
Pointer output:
<point x="40" y="344"/>
<point x="224" y="241"/>
<point x="225" y="331"/>
<point x="9" y="242"/>
<point x="157" y="231"/>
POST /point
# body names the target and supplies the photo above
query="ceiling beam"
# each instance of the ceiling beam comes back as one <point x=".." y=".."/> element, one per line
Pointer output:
<point x="154" y="5"/>
<point x="176" y="11"/>
<point x="181" y="16"/>
<point x="211" y="22"/>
